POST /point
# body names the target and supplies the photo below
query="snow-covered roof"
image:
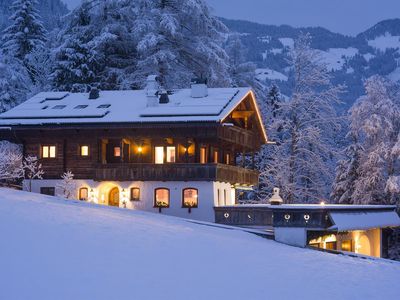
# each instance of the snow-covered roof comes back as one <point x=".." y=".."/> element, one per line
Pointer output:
<point x="123" y="107"/>
<point x="363" y="220"/>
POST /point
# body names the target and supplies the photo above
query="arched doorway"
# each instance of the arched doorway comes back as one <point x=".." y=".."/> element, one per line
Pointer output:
<point x="113" y="197"/>
<point x="364" y="245"/>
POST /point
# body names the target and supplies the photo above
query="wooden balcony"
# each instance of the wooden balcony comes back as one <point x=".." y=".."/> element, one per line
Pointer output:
<point x="176" y="172"/>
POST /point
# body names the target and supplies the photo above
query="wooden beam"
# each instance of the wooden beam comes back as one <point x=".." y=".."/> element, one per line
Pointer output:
<point x="242" y="114"/>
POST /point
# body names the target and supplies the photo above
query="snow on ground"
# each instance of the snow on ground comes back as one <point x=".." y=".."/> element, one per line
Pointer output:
<point x="384" y="42"/>
<point x="265" y="73"/>
<point x="287" y="42"/>
<point x="395" y="75"/>
<point x="61" y="249"/>
<point x="335" y="57"/>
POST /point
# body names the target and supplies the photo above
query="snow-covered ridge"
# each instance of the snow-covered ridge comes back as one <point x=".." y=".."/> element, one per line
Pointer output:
<point x="61" y="249"/>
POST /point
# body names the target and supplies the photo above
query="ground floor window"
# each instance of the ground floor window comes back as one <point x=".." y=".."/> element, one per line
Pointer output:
<point x="190" y="198"/>
<point x="83" y="194"/>
<point x="161" y="197"/>
<point x="135" y="194"/>
<point x="47" y="191"/>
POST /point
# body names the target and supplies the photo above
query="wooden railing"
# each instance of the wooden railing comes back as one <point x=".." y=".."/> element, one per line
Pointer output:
<point x="176" y="172"/>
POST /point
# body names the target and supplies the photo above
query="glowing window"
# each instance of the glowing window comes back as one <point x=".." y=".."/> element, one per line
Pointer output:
<point x="159" y="155"/>
<point x="83" y="194"/>
<point x="48" y="151"/>
<point x="190" y="198"/>
<point x="135" y="194"/>
<point x="216" y="156"/>
<point x="117" y="151"/>
<point x="171" y="154"/>
<point x="227" y="158"/>
<point x="84" y="150"/>
<point x="161" y="197"/>
<point x="347" y="245"/>
<point x="203" y="157"/>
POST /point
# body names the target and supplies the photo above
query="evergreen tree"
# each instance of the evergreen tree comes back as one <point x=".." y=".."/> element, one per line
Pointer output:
<point x="179" y="39"/>
<point x="26" y="31"/>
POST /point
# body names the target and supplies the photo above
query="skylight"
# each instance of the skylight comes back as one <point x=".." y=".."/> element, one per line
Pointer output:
<point x="104" y="106"/>
<point x="80" y="106"/>
<point x="59" y="106"/>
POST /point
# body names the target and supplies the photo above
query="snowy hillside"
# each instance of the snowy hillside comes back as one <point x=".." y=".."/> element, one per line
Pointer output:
<point x="58" y="249"/>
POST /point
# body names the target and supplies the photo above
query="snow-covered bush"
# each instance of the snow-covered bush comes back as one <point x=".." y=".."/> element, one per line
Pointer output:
<point x="66" y="188"/>
<point x="32" y="170"/>
<point x="10" y="161"/>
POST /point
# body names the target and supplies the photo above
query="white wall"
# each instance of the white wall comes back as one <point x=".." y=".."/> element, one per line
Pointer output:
<point x="208" y="195"/>
<point x="291" y="235"/>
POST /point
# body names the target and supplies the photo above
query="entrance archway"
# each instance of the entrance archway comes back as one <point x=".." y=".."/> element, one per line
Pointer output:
<point x="113" y="197"/>
<point x="364" y="245"/>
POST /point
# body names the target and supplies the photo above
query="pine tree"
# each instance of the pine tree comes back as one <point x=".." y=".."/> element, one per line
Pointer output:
<point x="26" y="31"/>
<point x="177" y="40"/>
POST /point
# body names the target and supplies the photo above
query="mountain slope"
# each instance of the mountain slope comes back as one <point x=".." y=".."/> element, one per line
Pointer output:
<point x="350" y="59"/>
<point x="61" y="249"/>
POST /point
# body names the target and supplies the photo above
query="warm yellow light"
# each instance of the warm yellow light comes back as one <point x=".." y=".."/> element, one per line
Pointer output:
<point x="322" y="203"/>
<point x="140" y="149"/>
<point x="84" y="150"/>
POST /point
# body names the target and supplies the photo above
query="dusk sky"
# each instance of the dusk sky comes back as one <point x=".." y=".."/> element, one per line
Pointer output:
<point x="344" y="16"/>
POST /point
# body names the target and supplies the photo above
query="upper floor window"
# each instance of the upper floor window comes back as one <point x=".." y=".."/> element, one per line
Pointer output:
<point x="161" y="197"/>
<point x="216" y="156"/>
<point x="159" y="155"/>
<point x="227" y="158"/>
<point x="171" y="154"/>
<point x="117" y="151"/>
<point x="203" y="155"/>
<point x="84" y="150"/>
<point x="190" y="197"/>
<point x="48" y="151"/>
<point x="83" y="193"/>
<point x="135" y="194"/>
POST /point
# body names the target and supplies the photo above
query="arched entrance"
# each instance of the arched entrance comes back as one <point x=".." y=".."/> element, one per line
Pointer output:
<point x="364" y="245"/>
<point x="113" y="197"/>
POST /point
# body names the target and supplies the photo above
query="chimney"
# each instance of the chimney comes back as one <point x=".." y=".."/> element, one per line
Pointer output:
<point x="199" y="88"/>
<point x="151" y="90"/>
<point x="94" y="93"/>
<point x="275" y="199"/>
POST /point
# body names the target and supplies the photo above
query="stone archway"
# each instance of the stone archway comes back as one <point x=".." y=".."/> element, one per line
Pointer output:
<point x="113" y="197"/>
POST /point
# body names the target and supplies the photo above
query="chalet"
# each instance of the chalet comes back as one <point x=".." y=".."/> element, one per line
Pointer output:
<point x="171" y="152"/>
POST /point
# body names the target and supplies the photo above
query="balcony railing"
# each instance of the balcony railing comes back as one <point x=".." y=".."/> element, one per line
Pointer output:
<point x="176" y="172"/>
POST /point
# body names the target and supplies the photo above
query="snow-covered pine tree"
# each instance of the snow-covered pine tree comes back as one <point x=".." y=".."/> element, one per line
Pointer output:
<point x="10" y="161"/>
<point x="347" y="172"/>
<point x="32" y="169"/>
<point x="177" y="40"/>
<point x="15" y="83"/>
<point x="303" y="160"/>
<point x="26" y="31"/>
<point x="66" y="188"/>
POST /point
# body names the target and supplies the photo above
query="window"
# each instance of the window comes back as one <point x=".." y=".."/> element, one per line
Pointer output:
<point x="47" y="191"/>
<point x="203" y="158"/>
<point x="224" y="197"/>
<point x="117" y="151"/>
<point x="83" y="194"/>
<point x="347" y="246"/>
<point x="84" y="150"/>
<point x="190" y="197"/>
<point x="159" y="155"/>
<point x="48" y="151"/>
<point x="135" y="194"/>
<point x="59" y="106"/>
<point x="104" y="106"/>
<point x="227" y="158"/>
<point x="171" y="154"/>
<point x="80" y="106"/>
<point x="161" y="197"/>
<point x="216" y="156"/>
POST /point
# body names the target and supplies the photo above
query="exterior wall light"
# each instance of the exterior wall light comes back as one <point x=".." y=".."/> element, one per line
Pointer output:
<point x="306" y="217"/>
<point x="226" y="215"/>
<point x="287" y="217"/>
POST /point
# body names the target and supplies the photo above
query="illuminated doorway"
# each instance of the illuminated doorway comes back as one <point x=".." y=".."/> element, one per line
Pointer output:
<point x="113" y="197"/>
<point x="364" y="245"/>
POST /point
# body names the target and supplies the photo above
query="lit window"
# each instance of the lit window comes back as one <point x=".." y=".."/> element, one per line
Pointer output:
<point x="48" y="151"/>
<point x="84" y="150"/>
<point x="216" y="156"/>
<point x="171" y="154"/>
<point x="227" y="158"/>
<point x="190" y="198"/>
<point x="135" y="194"/>
<point x="117" y="151"/>
<point x="104" y="106"/>
<point x="161" y="197"/>
<point x="80" y="106"/>
<point x="224" y="197"/>
<point x="83" y="194"/>
<point x="203" y="152"/>
<point x="159" y="155"/>
<point x="59" y="106"/>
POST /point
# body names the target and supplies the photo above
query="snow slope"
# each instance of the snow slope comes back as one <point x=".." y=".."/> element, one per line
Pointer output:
<point x="60" y="249"/>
